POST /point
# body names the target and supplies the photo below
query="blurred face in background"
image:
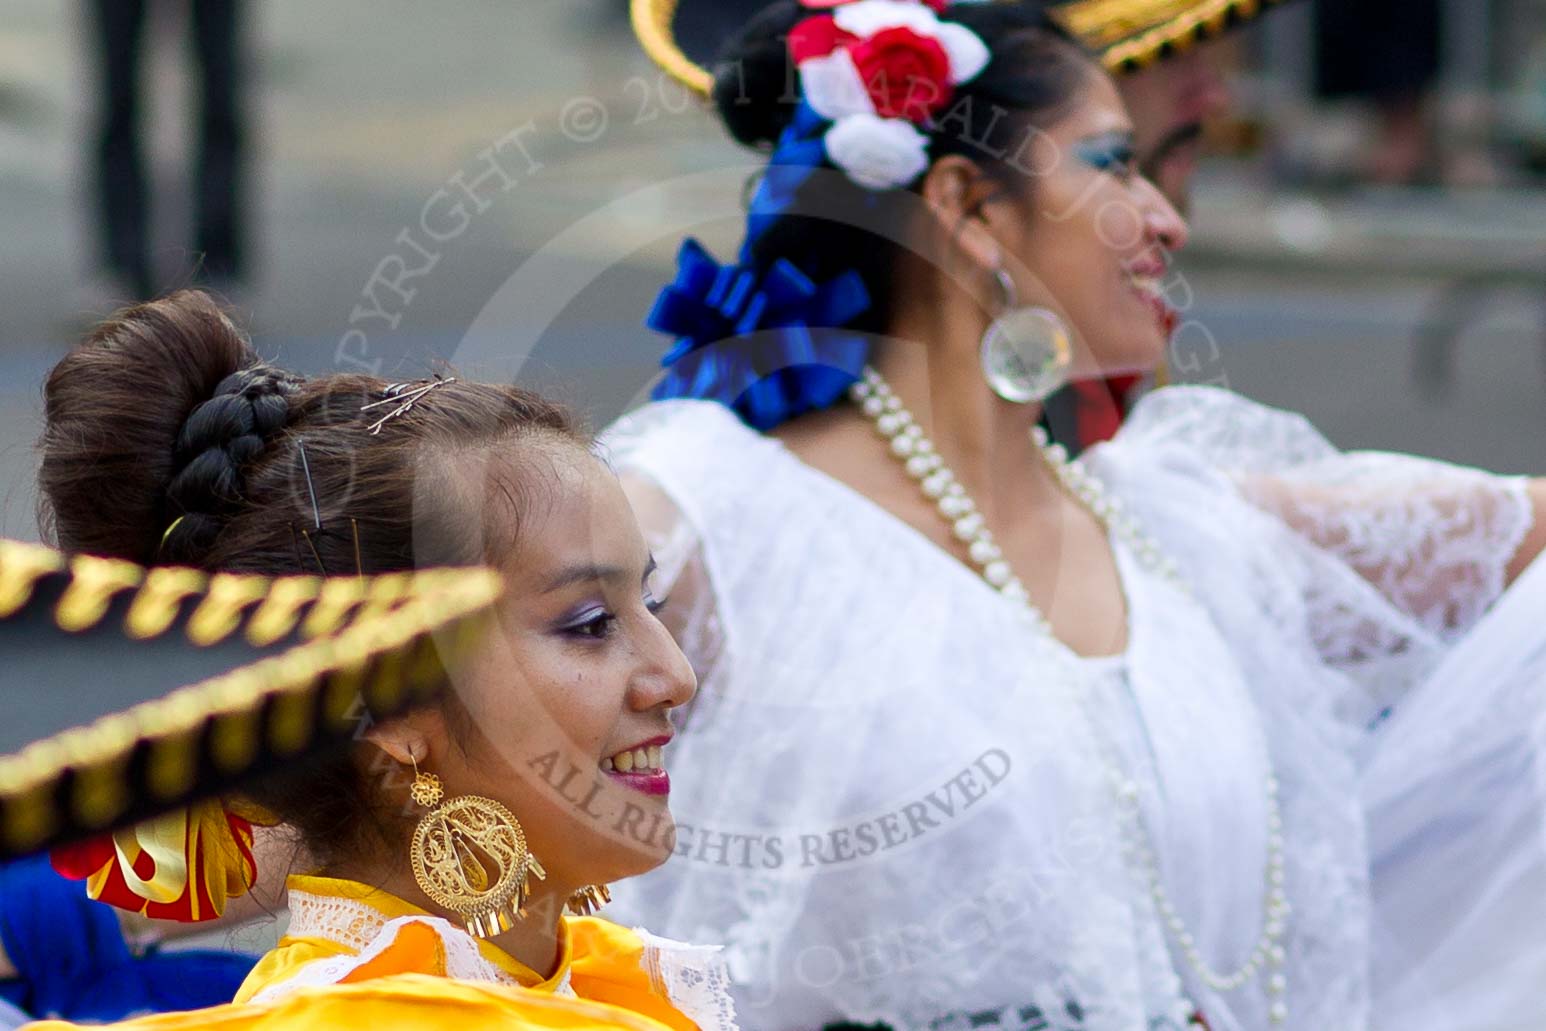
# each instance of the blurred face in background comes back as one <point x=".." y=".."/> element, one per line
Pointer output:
<point x="1169" y="101"/>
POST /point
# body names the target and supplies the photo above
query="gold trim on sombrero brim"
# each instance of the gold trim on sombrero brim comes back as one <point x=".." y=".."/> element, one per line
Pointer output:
<point x="1128" y="34"/>
<point x="345" y="646"/>
<point x="652" y="25"/>
<point x="1131" y="34"/>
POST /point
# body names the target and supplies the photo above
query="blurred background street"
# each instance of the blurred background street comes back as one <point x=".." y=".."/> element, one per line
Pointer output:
<point x="1395" y="316"/>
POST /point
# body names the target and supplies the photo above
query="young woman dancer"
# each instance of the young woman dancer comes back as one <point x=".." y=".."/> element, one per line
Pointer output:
<point x="451" y="841"/>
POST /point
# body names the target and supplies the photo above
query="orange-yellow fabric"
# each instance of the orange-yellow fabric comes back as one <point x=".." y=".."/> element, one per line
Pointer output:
<point x="603" y="961"/>
<point x="402" y="1002"/>
<point x="608" y="967"/>
<point x="406" y="954"/>
<point x="416" y="950"/>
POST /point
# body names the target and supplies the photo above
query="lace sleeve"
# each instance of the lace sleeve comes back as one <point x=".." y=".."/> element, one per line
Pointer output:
<point x="1436" y="540"/>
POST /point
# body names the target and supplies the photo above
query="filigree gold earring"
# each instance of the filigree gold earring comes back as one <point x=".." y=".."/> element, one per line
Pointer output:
<point x="588" y="899"/>
<point x="1026" y="352"/>
<point x="469" y="856"/>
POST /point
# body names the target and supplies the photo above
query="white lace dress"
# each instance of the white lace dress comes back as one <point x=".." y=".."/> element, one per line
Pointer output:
<point x="890" y="796"/>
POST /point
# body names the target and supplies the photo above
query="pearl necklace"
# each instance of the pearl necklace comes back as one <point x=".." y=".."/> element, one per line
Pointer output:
<point x="924" y="464"/>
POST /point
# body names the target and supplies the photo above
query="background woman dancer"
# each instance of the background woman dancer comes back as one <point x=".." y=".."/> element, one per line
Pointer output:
<point x="988" y="737"/>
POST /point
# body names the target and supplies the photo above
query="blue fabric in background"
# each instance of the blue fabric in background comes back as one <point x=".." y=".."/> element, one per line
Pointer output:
<point x="74" y="964"/>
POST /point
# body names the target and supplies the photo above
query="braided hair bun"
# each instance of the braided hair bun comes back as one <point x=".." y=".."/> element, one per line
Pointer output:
<point x="148" y="425"/>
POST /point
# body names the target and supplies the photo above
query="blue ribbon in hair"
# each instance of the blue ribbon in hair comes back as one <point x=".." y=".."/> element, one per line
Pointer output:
<point x="768" y="344"/>
<point x="801" y="150"/>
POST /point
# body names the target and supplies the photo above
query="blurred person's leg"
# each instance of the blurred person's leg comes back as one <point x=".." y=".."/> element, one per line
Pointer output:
<point x="118" y="28"/>
<point x="221" y="214"/>
<point x="1404" y="148"/>
<point x="1385" y="52"/>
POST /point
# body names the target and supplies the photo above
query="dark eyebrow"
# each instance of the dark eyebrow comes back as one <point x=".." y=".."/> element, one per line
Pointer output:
<point x="584" y="574"/>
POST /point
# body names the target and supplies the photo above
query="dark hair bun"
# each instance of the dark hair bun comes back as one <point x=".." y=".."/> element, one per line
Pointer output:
<point x="121" y="457"/>
<point x="219" y="437"/>
<point x="753" y="78"/>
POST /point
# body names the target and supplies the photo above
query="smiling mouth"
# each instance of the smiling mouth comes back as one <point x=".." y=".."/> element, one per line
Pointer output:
<point x="1147" y="287"/>
<point x="641" y="759"/>
<point x="639" y="768"/>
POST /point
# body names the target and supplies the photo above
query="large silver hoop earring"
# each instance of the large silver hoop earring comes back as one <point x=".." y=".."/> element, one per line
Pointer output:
<point x="1026" y="352"/>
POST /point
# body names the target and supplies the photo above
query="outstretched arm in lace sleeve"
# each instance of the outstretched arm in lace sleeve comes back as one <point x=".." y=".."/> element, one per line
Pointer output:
<point x="1535" y="538"/>
<point x="1440" y="542"/>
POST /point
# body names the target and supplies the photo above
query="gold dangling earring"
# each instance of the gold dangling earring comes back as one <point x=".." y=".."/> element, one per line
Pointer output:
<point x="469" y="855"/>
<point x="588" y="899"/>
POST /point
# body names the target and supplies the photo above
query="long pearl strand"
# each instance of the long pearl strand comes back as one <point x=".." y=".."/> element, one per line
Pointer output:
<point x="907" y="442"/>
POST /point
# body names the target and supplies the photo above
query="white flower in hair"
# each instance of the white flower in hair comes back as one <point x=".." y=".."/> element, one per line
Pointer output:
<point x="832" y="87"/>
<point x="877" y="153"/>
<point x="968" y="53"/>
<point x="867" y="17"/>
<point x="880" y="70"/>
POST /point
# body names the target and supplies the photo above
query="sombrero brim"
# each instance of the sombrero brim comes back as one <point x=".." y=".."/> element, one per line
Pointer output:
<point x="1132" y="34"/>
<point x="1128" y="34"/>
<point x="131" y="691"/>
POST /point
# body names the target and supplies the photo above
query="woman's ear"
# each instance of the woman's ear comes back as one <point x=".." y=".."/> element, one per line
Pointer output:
<point x="409" y="740"/>
<point x="954" y="192"/>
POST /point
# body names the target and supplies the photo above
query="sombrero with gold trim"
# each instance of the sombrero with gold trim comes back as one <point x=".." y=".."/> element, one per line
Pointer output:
<point x="1131" y="34"/>
<point x="130" y="692"/>
<point x="1128" y="34"/>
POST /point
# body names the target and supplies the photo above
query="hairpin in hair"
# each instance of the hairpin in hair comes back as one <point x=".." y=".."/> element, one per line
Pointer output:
<point x="169" y="531"/>
<point x="311" y="490"/>
<point x="316" y="513"/>
<point x="359" y="566"/>
<point x="321" y="566"/>
<point x="405" y="395"/>
<point x="299" y="533"/>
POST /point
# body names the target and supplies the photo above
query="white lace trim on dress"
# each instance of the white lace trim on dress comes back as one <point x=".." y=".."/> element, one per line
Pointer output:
<point x="694" y="977"/>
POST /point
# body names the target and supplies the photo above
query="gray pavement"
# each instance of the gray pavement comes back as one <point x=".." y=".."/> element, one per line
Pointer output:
<point x="376" y="117"/>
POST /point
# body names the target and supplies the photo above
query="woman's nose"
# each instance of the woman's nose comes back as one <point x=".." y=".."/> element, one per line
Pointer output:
<point x="667" y="678"/>
<point x="1162" y="222"/>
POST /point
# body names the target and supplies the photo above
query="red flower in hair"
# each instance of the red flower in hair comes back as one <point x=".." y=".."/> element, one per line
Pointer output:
<point x="817" y="37"/>
<point x="906" y="75"/>
<point x="827" y="5"/>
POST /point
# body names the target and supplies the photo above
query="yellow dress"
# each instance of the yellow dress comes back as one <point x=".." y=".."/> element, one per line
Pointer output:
<point x="357" y="957"/>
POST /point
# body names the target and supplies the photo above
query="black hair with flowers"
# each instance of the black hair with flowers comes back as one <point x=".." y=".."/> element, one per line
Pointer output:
<point x="785" y="330"/>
